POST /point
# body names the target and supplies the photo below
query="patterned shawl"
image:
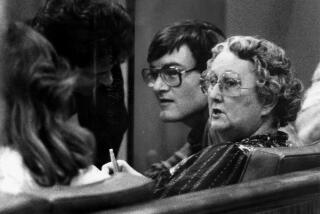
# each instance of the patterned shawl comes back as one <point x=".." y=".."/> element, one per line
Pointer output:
<point x="214" y="166"/>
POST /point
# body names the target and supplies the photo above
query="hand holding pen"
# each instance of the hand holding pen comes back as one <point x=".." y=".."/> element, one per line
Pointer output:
<point x="117" y="166"/>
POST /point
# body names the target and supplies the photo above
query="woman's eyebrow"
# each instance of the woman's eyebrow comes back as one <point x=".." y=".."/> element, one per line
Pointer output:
<point x="230" y="70"/>
<point x="212" y="72"/>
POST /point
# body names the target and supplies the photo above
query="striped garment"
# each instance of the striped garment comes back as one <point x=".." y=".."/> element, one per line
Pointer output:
<point x="195" y="142"/>
<point x="214" y="166"/>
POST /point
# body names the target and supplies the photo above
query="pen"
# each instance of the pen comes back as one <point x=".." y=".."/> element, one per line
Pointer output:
<point x="114" y="161"/>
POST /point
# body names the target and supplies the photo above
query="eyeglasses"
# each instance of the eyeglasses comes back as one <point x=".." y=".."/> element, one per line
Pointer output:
<point x="171" y="75"/>
<point x="229" y="83"/>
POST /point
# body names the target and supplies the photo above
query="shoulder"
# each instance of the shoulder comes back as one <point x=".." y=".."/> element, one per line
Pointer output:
<point x="14" y="176"/>
<point x="278" y="139"/>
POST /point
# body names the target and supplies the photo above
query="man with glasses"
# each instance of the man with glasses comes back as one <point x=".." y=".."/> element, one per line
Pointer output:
<point x="177" y="56"/>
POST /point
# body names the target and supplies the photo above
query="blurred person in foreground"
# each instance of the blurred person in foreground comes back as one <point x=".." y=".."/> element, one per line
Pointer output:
<point x="39" y="146"/>
<point x="308" y="120"/>
<point x="95" y="36"/>
<point x="252" y="92"/>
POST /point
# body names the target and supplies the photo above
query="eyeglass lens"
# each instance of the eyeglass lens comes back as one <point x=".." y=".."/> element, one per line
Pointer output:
<point x="229" y="84"/>
<point x="169" y="75"/>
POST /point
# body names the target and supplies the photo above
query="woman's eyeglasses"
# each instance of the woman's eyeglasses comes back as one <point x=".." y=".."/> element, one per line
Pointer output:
<point x="171" y="75"/>
<point x="229" y="83"/>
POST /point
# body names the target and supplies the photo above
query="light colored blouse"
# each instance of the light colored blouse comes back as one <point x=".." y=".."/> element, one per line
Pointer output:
<point x="16" y="178"/>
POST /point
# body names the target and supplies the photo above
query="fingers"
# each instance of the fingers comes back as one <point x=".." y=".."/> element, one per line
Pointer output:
<point x="123" y="166"/>
<point x="107" y="168"/>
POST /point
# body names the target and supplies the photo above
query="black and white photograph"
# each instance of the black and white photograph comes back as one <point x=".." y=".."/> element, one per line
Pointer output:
<point x="160" y="106"/>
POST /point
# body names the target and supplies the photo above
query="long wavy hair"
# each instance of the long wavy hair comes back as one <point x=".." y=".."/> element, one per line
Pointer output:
<point x="276" y="79"/>
<point x="37" y="86"/>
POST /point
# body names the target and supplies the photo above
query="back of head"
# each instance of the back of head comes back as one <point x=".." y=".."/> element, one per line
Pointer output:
<point x="199" y="36"/>
<point x="83" y="30"/>
<point x="37" y="86"/>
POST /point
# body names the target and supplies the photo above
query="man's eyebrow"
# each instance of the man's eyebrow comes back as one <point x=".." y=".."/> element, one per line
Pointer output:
<point x="168" y="65"/>
<point x="173" y="64"/>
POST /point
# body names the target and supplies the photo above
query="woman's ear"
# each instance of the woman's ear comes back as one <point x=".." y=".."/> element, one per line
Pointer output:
<point x="268" y="104"/>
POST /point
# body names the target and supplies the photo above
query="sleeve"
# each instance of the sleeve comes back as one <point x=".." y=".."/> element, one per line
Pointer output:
<point x="158" y="168"/>
<point x="214" y="166"/>
<point x="193" y="145"/>
<point x="105" y="114"/>
<point x="111" y="115"/>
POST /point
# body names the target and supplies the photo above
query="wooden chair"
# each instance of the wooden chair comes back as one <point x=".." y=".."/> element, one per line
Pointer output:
<point x="291" y="193"/>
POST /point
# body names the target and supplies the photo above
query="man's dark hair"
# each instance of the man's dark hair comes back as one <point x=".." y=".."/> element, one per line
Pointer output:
<point x="199" y="36"/>
<point x="81" y="30"/>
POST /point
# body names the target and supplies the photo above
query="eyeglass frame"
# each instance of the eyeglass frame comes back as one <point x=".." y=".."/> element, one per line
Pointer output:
<point x="182" y="71"/>
<point x="221" y="85"/>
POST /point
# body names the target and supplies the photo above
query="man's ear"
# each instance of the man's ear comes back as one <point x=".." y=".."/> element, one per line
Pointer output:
<point x="268" y="104"/>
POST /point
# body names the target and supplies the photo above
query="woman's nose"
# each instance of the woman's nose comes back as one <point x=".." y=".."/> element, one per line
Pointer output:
<point x="215" y="92"/>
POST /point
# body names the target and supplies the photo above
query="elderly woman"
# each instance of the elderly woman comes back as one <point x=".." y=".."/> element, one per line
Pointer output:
<point x="251" y="92"/>
<point x="39" y="147"/>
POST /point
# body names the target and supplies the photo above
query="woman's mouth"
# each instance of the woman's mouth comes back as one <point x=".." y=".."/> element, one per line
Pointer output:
<point x="215" y="112"/>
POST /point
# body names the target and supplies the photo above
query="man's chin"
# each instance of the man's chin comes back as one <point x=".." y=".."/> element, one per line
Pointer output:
<point x="169" y="118"/>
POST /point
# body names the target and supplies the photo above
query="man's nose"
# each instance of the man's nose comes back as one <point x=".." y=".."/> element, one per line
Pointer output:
<point x="159" y="84"/>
